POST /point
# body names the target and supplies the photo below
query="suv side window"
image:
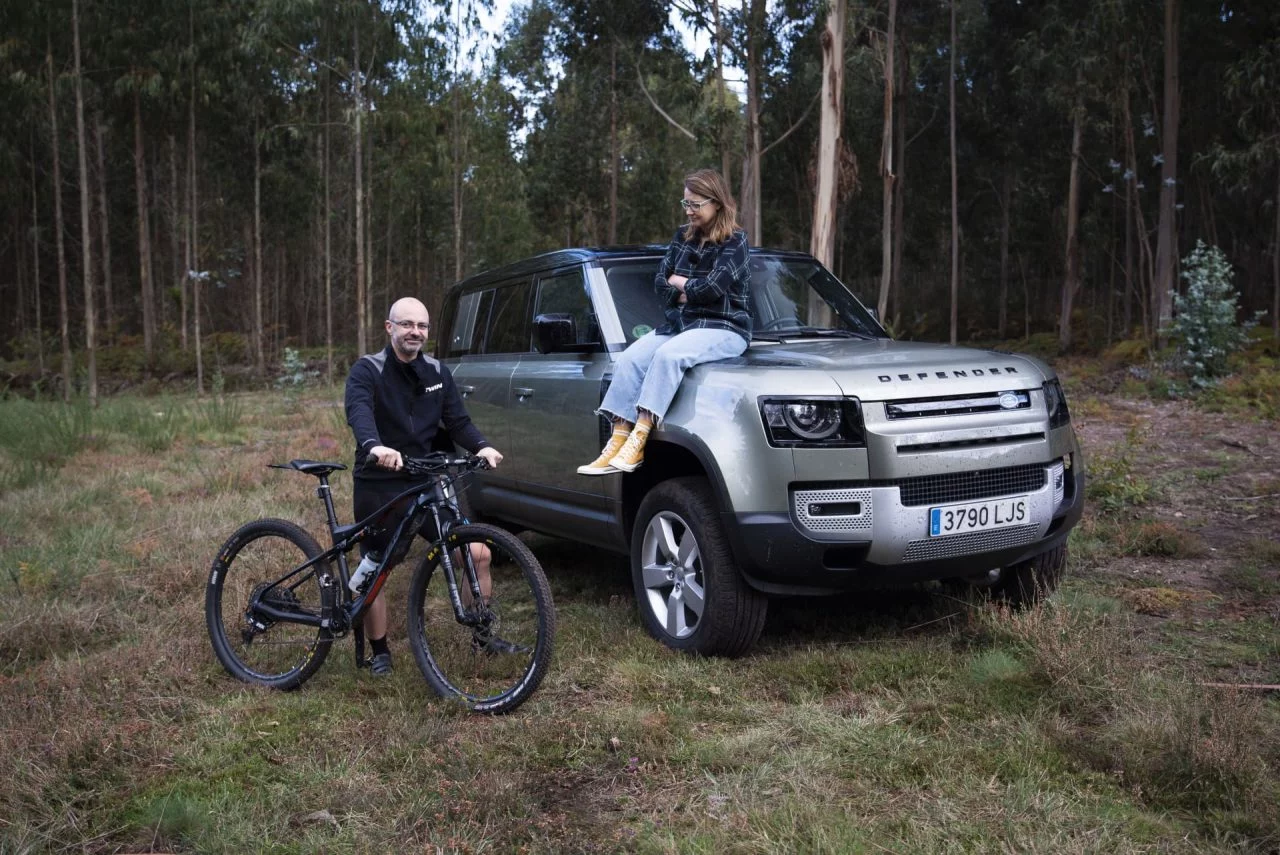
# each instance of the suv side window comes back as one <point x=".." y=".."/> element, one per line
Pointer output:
<point x="565" y="293"/>
<point x="469" y="322"/>
<point x="509" y="320"/>
<point x="631" y="284"/>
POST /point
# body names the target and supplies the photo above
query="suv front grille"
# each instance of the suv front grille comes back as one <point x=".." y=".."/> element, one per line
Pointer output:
<point x="965" y="486"/>
<point x="957" y="405"/>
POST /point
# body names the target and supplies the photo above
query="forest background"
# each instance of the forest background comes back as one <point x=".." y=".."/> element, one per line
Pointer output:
<point x="191" y="191"/>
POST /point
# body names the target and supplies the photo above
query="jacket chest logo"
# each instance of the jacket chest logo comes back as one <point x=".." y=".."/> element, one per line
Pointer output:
<point x="435" y="388"/>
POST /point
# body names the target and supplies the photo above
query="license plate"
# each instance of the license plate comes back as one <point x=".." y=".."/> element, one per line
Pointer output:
<point x="977" y="516"/>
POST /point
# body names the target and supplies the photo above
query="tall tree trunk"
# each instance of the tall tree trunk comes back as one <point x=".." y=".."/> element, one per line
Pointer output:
<point x="1129" y="284"/>
<point x="1071" y="264"/>
<point x="1006" y="202"/>
<point x="179" y="246"/>
<point x="722" y="130"/>
<point x="827" y="175"/>
<point x="899" y="180"/>
<point x="1140" y="278"/>
<point x="259" y="354"/>
<point x="35" y="257"/>
<point x="457" y="165"/>
<point x="328" y="248"/>
<point x="749" y="196"/>
<point x="362" y="318"/>
<point x="369" y="230"/>
<point x="613" y="142"/>
<point x="195" y="271"/>
<point x="104" y="207"/>
<point x="1275" y="267"/>
<point x="86" y="240"/>
<point x="188" y="262"/>
<point x="1167" y="243"/>
<point x="887" y="138"/>
<point x="64" y="313"/>
<point x="147" y="296"/>
<point x="955" y="192"/>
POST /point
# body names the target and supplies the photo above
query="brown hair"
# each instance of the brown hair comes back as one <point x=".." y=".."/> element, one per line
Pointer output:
<point x="711" y="185"/>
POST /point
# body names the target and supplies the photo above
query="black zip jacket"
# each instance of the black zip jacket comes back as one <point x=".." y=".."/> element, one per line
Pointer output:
<point x="404" y="405"/>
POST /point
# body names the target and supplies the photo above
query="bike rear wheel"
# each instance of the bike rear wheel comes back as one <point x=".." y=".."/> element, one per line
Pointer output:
<point x="279" y="654"/>
<point x="495" y="663"/>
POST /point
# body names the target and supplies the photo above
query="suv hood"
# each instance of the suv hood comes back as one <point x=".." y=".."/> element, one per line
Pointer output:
<point x="889" y="370"/>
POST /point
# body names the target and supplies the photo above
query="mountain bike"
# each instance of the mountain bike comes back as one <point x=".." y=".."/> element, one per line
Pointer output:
<point x="275" y="601"/>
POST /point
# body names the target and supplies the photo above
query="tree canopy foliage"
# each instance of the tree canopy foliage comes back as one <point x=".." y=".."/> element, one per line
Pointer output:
<point x="264" y="149"/>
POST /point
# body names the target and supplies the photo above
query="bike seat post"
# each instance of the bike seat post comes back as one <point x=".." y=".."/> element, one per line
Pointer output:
<point x="326" y="495"/>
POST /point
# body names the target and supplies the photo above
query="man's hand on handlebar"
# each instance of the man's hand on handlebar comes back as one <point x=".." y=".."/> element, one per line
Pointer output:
<point x="490" y="455"/>
<point x="386" y="458"/>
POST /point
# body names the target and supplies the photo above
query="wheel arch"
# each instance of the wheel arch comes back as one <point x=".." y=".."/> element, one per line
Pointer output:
<point x="674" y="455"/>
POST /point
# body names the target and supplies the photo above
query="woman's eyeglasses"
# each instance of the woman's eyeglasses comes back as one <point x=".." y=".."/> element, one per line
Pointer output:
<point x="409" y="326"/>
<point x="694" y="206"/>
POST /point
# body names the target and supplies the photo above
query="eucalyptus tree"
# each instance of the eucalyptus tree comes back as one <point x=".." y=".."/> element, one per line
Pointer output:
<point x="55" y="141"/>
<point x="593" y="138"/>
<point x="86" y="240"/>
<point x="830" y="142"/>
<point x="1167" y="243"/>
<point x="1065" y="51"/>
<point x="1246" y="150"/>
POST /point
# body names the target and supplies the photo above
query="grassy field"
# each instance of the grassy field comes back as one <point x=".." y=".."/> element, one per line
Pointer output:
<point x="912" y="721"/>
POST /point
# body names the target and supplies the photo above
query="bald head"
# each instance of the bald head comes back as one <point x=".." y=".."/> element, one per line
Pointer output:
<point x="408" y="325"/>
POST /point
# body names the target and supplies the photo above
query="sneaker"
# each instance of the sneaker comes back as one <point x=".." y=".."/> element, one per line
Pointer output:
<point x="631" y="455"/>
<point x="493" y="645"/>
<point x="380" y="665"/>
<point x="600" y="466"/>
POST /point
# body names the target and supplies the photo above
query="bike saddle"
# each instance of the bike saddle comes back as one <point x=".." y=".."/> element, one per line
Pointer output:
<point x="311" y="467"/>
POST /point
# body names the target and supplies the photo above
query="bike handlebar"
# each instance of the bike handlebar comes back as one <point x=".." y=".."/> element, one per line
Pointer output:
<point x="440" y="461"/>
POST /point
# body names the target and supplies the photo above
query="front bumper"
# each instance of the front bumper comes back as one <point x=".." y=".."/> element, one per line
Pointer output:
<point x="886" y="542"/>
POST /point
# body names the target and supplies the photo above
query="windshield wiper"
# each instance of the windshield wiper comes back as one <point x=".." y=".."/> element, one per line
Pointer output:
<point x="825" y="332"/>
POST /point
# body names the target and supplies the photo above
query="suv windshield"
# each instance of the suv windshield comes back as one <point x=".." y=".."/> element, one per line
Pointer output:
<point x="790" y="297"/>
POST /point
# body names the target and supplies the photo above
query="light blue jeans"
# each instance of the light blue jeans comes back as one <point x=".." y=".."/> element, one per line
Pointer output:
<point x="648" y="373"/>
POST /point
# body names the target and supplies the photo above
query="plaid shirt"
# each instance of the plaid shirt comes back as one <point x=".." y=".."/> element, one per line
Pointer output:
<point x="718" y="290"/>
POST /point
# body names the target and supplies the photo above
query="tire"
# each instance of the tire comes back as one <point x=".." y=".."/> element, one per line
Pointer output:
<point x="700" y="604"/>
<point x="282" y="655"/>
<point x="1029" y="582"/>
<point x="482" y="675"/>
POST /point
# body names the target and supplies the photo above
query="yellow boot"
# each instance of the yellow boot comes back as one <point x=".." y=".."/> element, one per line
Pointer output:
<point x="631" y="454"/>
<point x="600" y="466"/>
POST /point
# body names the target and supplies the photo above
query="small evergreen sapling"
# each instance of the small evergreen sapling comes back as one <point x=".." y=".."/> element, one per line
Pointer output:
<point x="1205" y="321"/>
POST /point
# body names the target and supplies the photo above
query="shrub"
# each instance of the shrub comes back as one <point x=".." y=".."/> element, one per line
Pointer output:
<point x="1254" y="391"/>
<point x="293" y="370"/>
<point x="1206" y="324"/>
<point x="1128" y="352"/>
<point x="1114" y="483"/>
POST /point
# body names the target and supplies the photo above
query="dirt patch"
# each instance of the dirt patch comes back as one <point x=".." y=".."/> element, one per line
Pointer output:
<point x="1214" y="478"/>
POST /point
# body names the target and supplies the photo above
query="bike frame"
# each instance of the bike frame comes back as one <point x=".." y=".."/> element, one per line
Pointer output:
<point x="348" y="612"/>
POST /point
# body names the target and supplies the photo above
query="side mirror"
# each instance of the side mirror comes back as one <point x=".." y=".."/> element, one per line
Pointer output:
<point x="555" y="331"/>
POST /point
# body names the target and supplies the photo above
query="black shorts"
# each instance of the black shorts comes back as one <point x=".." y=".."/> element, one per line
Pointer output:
<point x="369" y="496"/>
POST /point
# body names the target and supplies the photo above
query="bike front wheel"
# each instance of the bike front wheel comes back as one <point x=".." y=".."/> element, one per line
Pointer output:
<point x="253" y="565"/>
<point x="496" y="656"/>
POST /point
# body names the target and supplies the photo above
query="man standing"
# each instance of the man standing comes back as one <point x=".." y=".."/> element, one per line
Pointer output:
<point x="396" y="401"/>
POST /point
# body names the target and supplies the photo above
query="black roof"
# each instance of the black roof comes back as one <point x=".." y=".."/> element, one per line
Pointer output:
<point x="578" y="255"/>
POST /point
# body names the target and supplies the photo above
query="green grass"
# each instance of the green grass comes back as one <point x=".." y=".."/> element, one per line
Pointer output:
<point x="913" y="721"/>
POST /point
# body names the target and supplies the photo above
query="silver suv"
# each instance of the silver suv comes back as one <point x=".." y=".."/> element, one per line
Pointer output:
<point x="827" y="457"/>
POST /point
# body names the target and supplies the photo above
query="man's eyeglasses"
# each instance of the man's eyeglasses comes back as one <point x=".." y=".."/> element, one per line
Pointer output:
<point x="410" y="326"/>
<point x="694" y="206"/>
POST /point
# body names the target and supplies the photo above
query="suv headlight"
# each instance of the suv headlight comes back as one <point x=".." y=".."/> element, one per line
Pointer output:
<point x="813" y="422"/>
<point x="1056" y="402"/>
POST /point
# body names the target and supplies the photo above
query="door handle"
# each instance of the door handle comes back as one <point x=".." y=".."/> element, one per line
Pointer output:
<point x="466" y="390"/>
<point x="522" y="392"/>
